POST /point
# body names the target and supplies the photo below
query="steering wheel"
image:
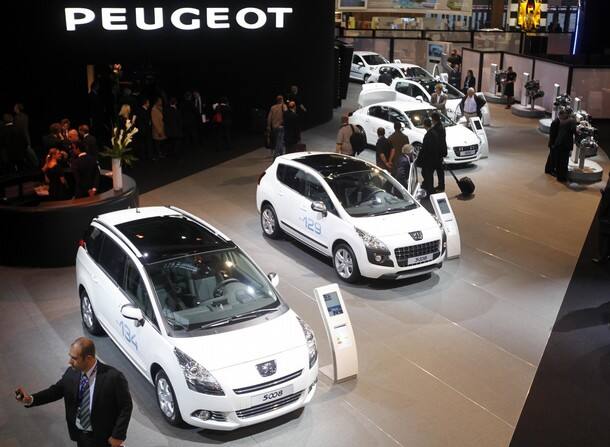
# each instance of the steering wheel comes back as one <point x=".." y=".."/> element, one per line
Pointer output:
<point x="372" y="195"/>
<point x="218" y="290"/>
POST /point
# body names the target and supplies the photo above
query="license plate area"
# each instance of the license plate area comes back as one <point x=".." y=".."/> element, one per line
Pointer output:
<point x="272" y="395"/>
<point x="467" y="153"/>
<point x="420" y="259"/>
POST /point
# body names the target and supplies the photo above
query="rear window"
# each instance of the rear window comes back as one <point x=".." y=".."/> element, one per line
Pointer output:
<point x="93" y="242"/>
<point x="112" y="259"/>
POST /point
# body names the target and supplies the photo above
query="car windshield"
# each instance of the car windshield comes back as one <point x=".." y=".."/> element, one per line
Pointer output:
<point x="211" y="289"/>
<point x="374" y="59"/>
<point x="452" y="92"/>
<point x="416" y="72"/>
<point x="417" y="118"/>
<point x="370" y="192"/>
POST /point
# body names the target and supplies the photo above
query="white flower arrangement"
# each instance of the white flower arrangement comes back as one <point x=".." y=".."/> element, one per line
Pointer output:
<point x="121" y="140"/>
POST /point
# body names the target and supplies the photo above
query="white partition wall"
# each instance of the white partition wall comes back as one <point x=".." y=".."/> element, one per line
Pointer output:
<point x="549" y="74"/>
<point x="593" y="86"/>
<point x="520" y="65"/>
<point x="488" y="59"/>
<point x="471" y="60"/>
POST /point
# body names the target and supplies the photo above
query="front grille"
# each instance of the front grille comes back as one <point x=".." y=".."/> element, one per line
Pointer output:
<point x="460" y="149"/>
<point x="218" y="416"/>
<point x="262" y="386"/>
<point x="404" y="253"/>
<point x="268" y="406"/>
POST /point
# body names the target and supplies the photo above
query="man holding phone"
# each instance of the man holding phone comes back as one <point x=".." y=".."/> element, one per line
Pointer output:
<point x="96" y="398"/>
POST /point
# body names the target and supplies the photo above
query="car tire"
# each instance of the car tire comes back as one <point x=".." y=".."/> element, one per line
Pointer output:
<point x="345" y="263"/>
<point x="269" y="222"/>
<point x="90" y="321"/>
<point x="166" y="400"/>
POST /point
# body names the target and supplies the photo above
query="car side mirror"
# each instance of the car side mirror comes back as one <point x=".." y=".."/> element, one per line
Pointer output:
<point x="419" y="98"/>
<point x="274" y="278"/>
<point x="134" y="313"/>
<point x="360" y="64"/>
<point x="319" y="207"/>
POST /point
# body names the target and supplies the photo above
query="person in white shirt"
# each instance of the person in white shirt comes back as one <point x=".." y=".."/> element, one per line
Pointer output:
<point x="471" y="104"/>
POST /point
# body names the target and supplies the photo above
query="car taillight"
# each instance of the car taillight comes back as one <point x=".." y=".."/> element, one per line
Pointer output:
<point x="258" y="182"/>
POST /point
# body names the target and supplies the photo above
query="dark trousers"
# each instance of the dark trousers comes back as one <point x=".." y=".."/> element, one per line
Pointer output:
<point x="561" y="166"/>
<point x="440" y="174"/>
<point x="551" y="162"/>
<point x="428" y="181"/>
<point x="86" y="440"/>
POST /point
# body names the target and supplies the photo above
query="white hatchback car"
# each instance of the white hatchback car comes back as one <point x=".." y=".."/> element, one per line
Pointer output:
<point x="362" y="64"/>
<point x="399" y="71"/>
<point x="351" y="211"/>
<point x="409" y="89"/>
<point x="196" y="316"/>
<point x="463" y="145"/>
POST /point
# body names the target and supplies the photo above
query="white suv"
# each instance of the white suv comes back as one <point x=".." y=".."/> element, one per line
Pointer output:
<point x="196" y="316"/>
<point x="363" y="63"/>
<point x="352" y="211"/>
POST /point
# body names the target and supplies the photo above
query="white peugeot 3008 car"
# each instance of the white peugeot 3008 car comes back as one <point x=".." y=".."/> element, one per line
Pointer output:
<point x="352" y="211"/>
<point x="196" y="316"/>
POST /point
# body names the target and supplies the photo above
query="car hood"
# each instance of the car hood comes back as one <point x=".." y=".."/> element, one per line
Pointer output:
<point x="260" y="340"/>
<point x="397" y="224"/>
<point x="459" y="135"/>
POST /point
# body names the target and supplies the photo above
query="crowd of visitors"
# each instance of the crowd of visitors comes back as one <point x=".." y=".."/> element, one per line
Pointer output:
<point x="284" y="121"/>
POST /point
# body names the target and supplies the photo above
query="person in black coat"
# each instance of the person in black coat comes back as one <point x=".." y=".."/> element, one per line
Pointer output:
<point x="89" y="141"/>
<point x="561" y="142"/>
<point x="603" y="222"/>
<point x="429" y="158"/>
<point x="86" y="173"/>
<point x="441" y="151"/>
<point x="403" y="165"/>
<point x="13" y="145"/>
<point x="292" y="127"/>
<point x="143" y="139"/>
<point x="172" y="118"/>
<point x="509" y="86"/>
<point x="96" y="398"/>
<point x="469" y="81"/>
<point x="223" y="121"/>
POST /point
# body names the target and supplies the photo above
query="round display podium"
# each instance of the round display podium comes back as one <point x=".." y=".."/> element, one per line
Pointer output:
<point x="46" y="233"/>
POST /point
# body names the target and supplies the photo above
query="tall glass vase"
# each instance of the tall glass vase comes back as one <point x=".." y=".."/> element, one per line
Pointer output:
<point x="117" y="174"/>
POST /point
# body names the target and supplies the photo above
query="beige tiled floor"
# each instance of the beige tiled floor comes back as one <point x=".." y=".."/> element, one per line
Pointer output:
<point x="444" y="360"/>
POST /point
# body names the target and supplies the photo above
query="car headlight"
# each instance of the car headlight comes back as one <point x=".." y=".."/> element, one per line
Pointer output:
<point x="310" y="338"/>
<point x="371" y="241"/>
<point x="197" y="377"/>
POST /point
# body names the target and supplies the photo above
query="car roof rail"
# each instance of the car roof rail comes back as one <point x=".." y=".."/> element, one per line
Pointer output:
<point x="120" y="235"/>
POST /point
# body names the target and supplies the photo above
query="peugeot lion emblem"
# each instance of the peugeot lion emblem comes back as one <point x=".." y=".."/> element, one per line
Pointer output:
<point x="417" y="235"/>
<point x="267" y="369"/>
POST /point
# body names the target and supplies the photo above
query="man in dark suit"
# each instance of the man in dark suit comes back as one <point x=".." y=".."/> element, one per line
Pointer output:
<point x="429" y="157"/>
<point x="143" y="139"/>
<point x="96" y="398"/>
<point x="603" y="222"/>
<point x="86" y="173"/>
<point x="13" y="145"/>
<point x="88" y="140"/>
<point x="441" y="151"/>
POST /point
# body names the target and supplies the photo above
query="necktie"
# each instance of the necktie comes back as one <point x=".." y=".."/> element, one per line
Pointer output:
<point x="84" y="414"/>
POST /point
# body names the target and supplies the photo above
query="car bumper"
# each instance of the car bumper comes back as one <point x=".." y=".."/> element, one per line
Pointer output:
<point x="233" y="411"/>
<point x="455" y="160"/>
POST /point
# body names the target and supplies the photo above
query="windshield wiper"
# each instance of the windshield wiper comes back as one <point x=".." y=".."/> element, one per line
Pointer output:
<point x="175" y="324"/>
<point x="238" y="317"/>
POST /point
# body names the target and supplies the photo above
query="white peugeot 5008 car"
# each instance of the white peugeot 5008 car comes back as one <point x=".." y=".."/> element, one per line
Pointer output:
<point x="352" y="211"/>
<point x="196" y="316"/>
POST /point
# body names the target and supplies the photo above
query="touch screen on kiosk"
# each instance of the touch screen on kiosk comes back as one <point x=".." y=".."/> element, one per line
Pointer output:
<point x="333" y="305"/>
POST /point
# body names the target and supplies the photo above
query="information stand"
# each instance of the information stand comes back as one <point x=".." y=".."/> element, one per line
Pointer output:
<point x="477" y="127"/>
<point x="442" y="209"/>
<point x="340" y="334"/>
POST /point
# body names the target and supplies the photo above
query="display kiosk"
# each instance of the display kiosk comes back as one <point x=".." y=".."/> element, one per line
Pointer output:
<point x="476" y="126"/>
<point x="442" y="209"/>
<point x="492" y="95"/>
<point x="340" y="334"/>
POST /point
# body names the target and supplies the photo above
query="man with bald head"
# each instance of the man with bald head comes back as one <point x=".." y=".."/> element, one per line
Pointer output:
<point x="96" y="398"/>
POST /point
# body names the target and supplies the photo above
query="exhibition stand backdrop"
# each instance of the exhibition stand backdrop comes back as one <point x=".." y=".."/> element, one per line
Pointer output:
<point x="589" y="82"/>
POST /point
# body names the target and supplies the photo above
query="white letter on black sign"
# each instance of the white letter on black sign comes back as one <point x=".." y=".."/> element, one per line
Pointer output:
<point x="141" y="19"/>
<point x="177" y="19"/>
<point x="260" y="16"/>
<point x="279" y="15"/>
<point x="110" y="17"/>
<point x="215" y="15"/>
<point x="87" y="16"/>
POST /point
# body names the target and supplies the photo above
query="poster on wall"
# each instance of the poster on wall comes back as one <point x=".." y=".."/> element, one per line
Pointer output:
<point x="351" y="4"/>
<point x="461" y="7"/>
